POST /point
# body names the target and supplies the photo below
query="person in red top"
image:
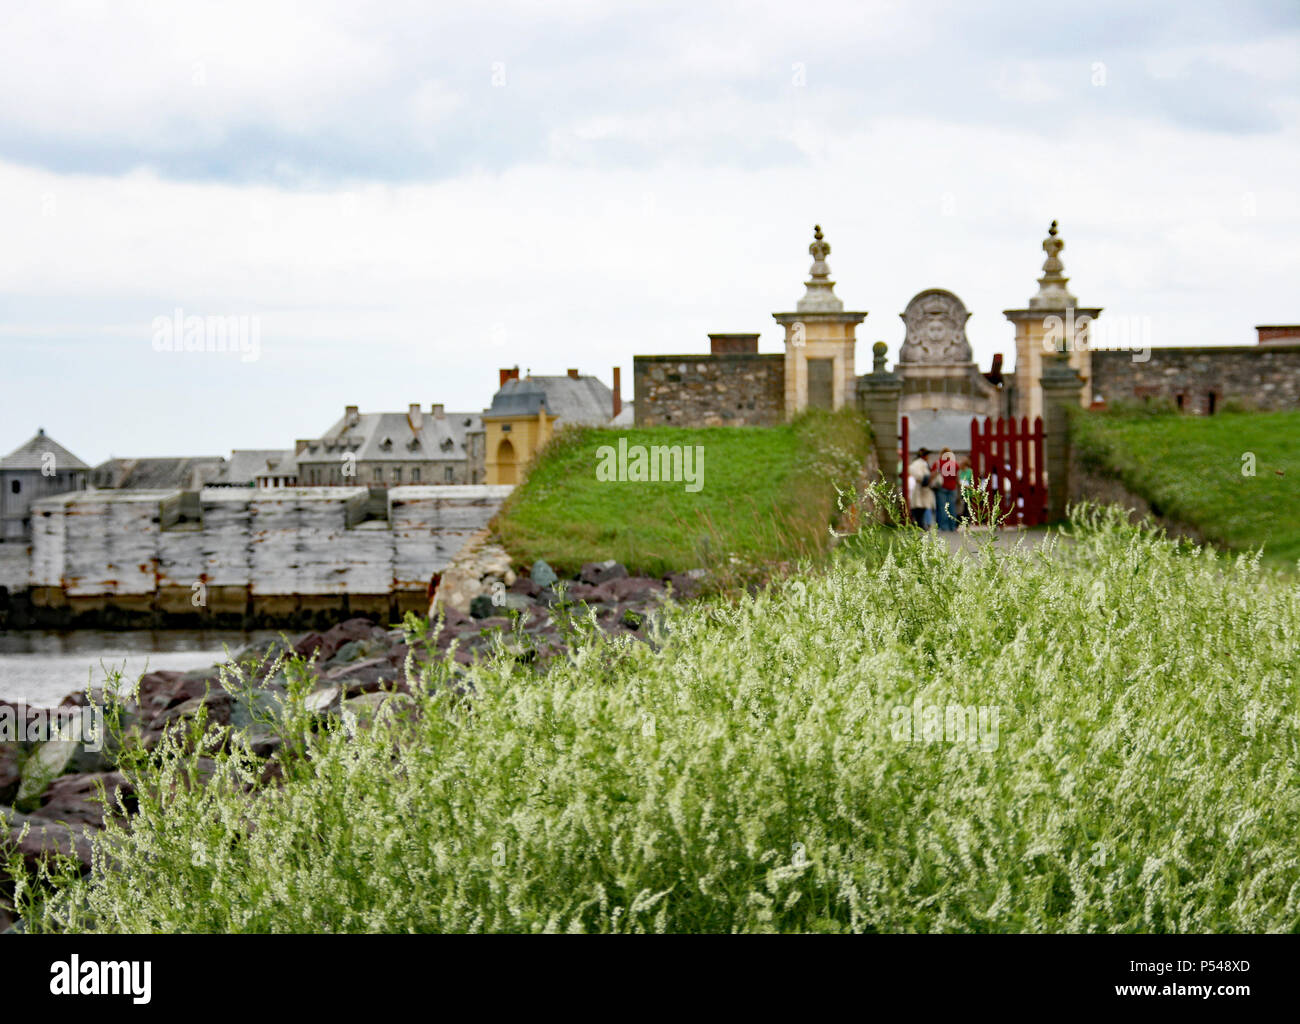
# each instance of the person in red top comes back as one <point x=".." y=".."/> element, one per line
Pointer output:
<point x="944" y="472"/>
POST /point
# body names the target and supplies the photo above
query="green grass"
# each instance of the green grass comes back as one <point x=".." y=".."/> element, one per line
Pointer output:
<point x="768" y="496"/>
<point x="1191" y="469"/>
<point x="749" y="775"/>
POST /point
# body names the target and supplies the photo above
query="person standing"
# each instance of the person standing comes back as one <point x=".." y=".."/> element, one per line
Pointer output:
<point x="920" y="495"/>
<point x="946" y="493"/>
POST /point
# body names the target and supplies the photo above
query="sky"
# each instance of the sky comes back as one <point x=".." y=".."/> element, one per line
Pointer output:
<point x="400" y="198"/>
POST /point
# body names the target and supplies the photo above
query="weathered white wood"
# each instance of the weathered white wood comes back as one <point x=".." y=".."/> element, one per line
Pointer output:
<point x="275" y="542"/>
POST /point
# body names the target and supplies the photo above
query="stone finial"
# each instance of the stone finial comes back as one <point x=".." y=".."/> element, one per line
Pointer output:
<point x="878" y="352"/>
<point x="820" y="295"/>
<point x="1052" y="293"/>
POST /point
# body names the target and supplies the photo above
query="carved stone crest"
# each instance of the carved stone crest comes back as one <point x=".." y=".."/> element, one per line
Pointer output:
<point x="936" y="329"/>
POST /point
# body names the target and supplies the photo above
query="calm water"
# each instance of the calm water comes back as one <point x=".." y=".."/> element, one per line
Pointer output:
<point x="44" y="666"/>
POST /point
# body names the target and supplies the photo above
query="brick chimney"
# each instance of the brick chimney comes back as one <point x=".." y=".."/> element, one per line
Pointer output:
<point x="733" y="344"/>
<point x="573" y="374"/>
<point x="508" y="374"/>
<point x="618" y="391"/>
<point x="1283" y="334"/>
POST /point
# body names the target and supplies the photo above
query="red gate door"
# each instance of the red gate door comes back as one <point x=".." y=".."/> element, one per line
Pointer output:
<point x="1009" y="456"/>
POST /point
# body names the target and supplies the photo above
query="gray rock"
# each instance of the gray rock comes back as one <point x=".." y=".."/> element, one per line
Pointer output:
<point x="481" y="607"/>
<point x="543" y="575"/>
<point x="602" y="572"/>
<point x="44" y="764"/>
<point x="324" y="701"/>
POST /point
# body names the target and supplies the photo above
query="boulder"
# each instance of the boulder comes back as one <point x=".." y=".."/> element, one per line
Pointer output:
<point x="46" y="838"/>
<point x="686" y="585"/>
<point x="543" y="575"/>
<point x="75" y="798"/>
<point x="364" y="676"/>
<point x="481" y="607"/>
<point x="634" y="588"/>
<point x="525" y="586"/>
<point x="342" y="634"/>
<point x="43" y="765"/>
<point x="602" y="572"/>
<point x="324" y="701"/>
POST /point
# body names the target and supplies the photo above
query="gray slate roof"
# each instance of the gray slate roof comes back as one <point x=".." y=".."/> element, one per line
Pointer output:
<point x="583" y="400"/>
<point x="390" y="436"/>
<point x="28" y="456"/>
<point x="183" y="474"/>
<point x="246" y="464"/>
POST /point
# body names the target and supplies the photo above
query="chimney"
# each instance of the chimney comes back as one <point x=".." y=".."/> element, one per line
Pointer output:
<point x="994" y="376"/>
<point x="438" y="411"/>
<point x="733" y="344"/>
<point x="300" y="444"/>
<point x="414" y="416"/>
<point x="573" y="374"/>
<point x="351" y="414"/>
<point x="618" y="392"/>
<point x="1285" y="334"/>
<point x="508" y="374"/>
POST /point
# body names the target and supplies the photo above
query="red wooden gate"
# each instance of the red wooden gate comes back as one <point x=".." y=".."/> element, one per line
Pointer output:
<point x="1009" y="455"/>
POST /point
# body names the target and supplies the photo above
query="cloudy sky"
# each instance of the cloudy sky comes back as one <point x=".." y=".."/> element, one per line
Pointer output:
<point x="404" y="197"/>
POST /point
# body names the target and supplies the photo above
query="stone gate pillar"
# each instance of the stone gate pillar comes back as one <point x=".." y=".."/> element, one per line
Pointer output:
<point x="878" y="396"/>
<point x="1062" y="387"/>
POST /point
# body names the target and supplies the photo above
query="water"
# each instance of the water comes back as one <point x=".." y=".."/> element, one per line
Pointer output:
<point x="43" y="666"/>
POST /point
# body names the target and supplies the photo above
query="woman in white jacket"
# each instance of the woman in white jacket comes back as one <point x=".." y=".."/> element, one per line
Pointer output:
<point x="920" y="498"/>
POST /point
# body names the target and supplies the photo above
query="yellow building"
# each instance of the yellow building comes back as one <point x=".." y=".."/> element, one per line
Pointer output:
<point x="526" y="413"/>
<point x="1053" y="322"/>
<point x="819" y="342"/>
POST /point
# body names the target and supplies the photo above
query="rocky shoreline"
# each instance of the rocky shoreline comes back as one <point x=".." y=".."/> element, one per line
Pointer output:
<point x="479" y="607"/>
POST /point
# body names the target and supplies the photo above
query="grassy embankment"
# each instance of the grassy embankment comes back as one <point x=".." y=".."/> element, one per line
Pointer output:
<point x="752" y="773"/>
<point x="1190" y="468"/>
<point x="768" y="496"/>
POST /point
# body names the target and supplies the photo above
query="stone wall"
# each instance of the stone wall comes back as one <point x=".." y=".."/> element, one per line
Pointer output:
<point x="248" y="554"/>
<point x="1260" y="377"/>
<point x="709" y="390"/>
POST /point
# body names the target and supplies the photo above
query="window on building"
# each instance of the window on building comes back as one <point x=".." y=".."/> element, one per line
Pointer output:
<point x="379" y="475"/>
<point x="15" y="487"/>
<point x="415" y="475"/>
<point x="450" y="475"/>
<point x="397" y="475"/>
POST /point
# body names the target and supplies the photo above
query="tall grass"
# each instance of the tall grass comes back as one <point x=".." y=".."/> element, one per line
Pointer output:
<point x="747" y="775"/>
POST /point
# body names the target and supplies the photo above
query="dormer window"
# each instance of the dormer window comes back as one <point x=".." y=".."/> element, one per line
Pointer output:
<point x="448" y="445"/>
<point x="386" y="444"/>
<point x="413" y="445"/>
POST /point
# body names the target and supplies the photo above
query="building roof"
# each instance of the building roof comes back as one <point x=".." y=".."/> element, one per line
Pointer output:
<point x="186" y="473"/>
<point x="395" y="437"/>
<point x="582" y="399"/>
<point x="29" y="455"/>
<point x="245" y="465"/>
